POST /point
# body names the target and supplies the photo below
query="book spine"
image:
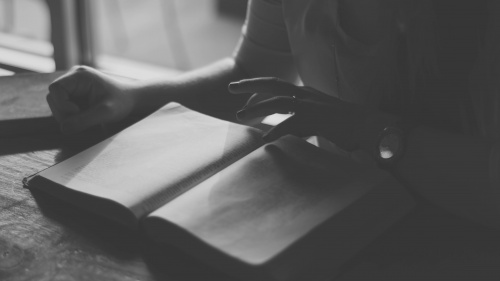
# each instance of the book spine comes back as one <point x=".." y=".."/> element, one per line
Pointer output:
<point x="196" y="178"/>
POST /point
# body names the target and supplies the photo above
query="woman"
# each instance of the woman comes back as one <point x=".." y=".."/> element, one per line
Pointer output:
<point x="366" y="66"/>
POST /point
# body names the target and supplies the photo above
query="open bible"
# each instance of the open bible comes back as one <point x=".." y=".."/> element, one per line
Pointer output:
<point x="286" y="210"/>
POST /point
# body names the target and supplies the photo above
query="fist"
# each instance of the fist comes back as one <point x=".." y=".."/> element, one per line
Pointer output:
<point x="84" y="97"/>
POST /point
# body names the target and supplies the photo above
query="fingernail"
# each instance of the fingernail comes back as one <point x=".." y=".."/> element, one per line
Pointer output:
<point x="241" y="114"/>
<point x="234" y="85"/>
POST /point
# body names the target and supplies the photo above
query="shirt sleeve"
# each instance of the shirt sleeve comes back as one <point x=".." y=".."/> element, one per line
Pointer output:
<point x="264" y="49"/>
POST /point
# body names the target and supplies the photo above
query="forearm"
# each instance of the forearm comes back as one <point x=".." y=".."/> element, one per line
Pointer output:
<point x="454" y="172"/>
<point x="204" y="90"/>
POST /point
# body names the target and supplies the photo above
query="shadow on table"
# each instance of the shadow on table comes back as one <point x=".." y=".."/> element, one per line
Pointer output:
<point x="42" y="133"/>
<point x="67" y="145"/>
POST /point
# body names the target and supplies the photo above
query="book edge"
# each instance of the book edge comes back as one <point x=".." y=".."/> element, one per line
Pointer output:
<point x="99" y="205"/>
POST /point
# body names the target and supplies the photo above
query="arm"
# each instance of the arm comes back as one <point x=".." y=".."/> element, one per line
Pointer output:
<point x="85" y="97"/>
<point x="204" y="90"/>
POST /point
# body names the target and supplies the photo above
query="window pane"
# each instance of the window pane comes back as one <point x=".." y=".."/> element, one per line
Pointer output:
<point x="174" y="34"/>
<point x="25" y="36"/>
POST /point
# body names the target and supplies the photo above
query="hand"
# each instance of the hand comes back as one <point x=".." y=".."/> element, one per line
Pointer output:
<point x="315" y="113"/>
<point x="85" y="97"/>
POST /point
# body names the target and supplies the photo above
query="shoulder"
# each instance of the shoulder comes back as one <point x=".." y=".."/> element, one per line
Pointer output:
<point x="264" y="48"/>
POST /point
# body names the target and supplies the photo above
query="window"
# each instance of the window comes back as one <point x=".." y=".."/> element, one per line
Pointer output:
<point x="143" y="38"/>
<point x="25" y="37"/>
<point x="154" y="37"/>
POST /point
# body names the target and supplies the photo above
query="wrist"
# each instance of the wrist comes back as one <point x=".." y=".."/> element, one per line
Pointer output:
<point x="146" y="96"/>
<point x="131" y="91"/>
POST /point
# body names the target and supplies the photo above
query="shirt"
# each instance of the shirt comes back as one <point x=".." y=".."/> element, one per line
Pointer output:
<point x="306" y="35"/>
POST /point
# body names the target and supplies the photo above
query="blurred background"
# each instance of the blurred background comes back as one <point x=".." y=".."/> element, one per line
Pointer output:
<point x="136" y="38"/>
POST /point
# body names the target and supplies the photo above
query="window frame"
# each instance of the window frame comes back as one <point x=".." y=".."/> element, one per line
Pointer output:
<point x="70" y="41"/>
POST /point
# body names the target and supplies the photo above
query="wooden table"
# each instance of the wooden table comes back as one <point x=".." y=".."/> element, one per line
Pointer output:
<point x="44" y="239"/>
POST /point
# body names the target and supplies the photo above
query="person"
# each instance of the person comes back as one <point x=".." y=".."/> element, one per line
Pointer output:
<point x="347" y="68"/>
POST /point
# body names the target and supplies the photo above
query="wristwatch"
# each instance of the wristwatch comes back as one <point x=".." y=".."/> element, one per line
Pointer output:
<point x="385" y="138"/>
<point x="389" y="145"/>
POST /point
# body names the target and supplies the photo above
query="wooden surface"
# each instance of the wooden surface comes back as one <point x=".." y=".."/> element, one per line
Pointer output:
<point x="43" y="239"/>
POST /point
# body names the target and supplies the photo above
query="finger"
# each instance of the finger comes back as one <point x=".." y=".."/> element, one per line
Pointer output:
<point x="268" y="107"/>
<point x="255" y="98"/>
<point x="60" y="94"/>
<point x="96" y="115"/>
<point x="61" y="107"/>
<point x="74" y="83"/>
<point x="293" y="126"/>
<point x="266" y="85"/>
<point x="252" y="100"/>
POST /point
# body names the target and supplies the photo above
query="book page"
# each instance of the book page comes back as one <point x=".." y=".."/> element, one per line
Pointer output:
<point x="156" y="159"/>
<point x="268" y="200"/>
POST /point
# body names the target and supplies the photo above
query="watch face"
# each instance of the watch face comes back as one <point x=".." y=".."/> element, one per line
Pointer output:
<point x="390" y="145"/>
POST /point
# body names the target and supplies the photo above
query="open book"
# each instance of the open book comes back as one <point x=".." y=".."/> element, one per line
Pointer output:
<point x="280" y="211"/>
